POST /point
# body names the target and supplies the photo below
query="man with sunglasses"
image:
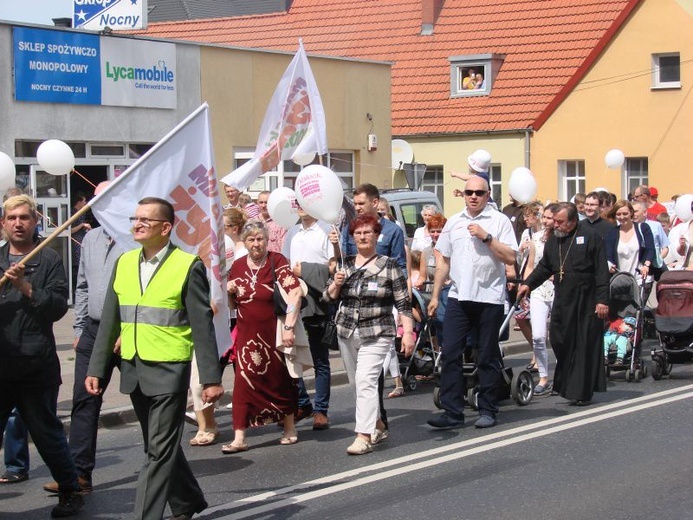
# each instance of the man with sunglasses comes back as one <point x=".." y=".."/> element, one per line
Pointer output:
<point x="158" y="303"/>
<point x="476" y="245"/>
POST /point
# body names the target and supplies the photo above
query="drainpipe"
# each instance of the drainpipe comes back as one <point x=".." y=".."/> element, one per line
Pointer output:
<point x="528" y="154"/>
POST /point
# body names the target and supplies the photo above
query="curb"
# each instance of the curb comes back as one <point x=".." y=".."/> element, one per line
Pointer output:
<point x="114" y="417"/>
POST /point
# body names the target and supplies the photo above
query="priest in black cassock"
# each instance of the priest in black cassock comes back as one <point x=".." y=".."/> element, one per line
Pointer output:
<point x="575" y="256"/>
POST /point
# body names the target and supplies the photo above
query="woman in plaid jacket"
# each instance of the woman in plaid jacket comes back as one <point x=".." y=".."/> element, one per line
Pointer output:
<point x="367" y="287"/>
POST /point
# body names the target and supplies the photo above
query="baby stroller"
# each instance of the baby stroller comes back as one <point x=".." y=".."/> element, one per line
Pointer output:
<point x="422" y="362"/>
<point x="673" y="321"/>
<point x="626" y="301"/>
<point x="519" y="386"/>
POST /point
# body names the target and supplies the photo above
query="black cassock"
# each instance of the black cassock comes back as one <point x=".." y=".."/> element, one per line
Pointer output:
<point x="581" y="280"/>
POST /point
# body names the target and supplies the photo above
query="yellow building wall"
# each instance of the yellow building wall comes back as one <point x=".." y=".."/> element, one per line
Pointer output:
<point x="238" y="85"/>
<point x="507" y="151"/>
<point x="614" y="106"/>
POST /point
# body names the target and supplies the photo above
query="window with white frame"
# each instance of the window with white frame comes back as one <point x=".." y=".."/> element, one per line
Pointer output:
<point x="666" y="70"/>
<point x="635" y="174"/>
<point x="285" y="173"/>
<point x="434" y="180"/>
<point x="473" y="75"/>
<point x="571" y="175"/>
<point x="494" y="174"/>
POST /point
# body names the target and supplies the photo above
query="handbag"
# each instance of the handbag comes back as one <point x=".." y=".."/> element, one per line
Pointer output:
<point x="329" y="337"/>
<point x="279" y="294"/>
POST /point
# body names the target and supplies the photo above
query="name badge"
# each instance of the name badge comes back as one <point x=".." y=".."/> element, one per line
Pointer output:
<point x="372" y="286"/>
<point x="579" y="240"/>
<point x="380" y="237"/>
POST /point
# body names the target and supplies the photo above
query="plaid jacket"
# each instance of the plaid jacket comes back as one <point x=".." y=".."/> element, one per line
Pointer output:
<point x="367" y="297"/>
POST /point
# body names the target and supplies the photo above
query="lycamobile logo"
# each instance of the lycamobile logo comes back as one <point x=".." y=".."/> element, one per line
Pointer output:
<point x="157" y="72"/>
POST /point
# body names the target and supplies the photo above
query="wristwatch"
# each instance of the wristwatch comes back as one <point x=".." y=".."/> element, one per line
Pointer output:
<point x="288" y="327"/>
<point x="488" y="238"/>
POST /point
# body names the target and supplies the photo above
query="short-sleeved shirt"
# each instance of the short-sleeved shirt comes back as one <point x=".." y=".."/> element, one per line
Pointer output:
<point x="476" y="274"/>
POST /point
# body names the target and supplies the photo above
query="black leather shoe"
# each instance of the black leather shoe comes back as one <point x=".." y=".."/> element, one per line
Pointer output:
<point x="188" y="516"/>
<point x="446" y="422"/>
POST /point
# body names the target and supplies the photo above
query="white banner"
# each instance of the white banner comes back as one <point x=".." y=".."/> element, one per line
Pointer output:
<point x="180" y="169"/>
<point x="294" y="108"/>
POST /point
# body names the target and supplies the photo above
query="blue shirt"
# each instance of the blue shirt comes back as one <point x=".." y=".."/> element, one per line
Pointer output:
<point x="390" y="243"/>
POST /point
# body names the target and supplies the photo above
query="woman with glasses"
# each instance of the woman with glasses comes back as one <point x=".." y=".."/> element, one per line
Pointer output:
<point x="264" y="392"/>
<point x="367" y="287"/>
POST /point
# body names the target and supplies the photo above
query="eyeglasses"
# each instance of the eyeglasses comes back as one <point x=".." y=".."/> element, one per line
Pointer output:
<point x="146" y="222"/>
<point x="255" y="224"/>
<point x="478" y="193"/>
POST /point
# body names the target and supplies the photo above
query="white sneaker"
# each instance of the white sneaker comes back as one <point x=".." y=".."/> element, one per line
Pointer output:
<point x="359" y="447"/>
<point x="379" y="436"/>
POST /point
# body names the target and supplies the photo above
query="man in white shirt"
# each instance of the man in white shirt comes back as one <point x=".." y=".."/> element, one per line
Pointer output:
<point x="476" y="245"/>
<point x="308" y="248"/>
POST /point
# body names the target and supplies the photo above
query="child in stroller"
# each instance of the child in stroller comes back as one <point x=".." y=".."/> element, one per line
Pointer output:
<point x="620" y="335"/>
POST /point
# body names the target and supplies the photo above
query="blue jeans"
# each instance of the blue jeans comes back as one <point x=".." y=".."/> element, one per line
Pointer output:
<point x="315" y="328"/>
<point x="462" y="317"/>
<point x="38" y="408"/>
<point x="86" y="407"/>
<point x="16" y="445"/>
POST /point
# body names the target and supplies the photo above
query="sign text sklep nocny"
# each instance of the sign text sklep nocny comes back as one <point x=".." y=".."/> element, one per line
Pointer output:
<point x="96" y="15"/>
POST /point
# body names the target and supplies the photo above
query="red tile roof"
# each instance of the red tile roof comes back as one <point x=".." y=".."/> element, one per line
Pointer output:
<point x="548" y="45"/>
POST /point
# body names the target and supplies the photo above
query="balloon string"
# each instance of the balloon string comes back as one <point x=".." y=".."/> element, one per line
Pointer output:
<point x="50" y="222"/>
<point x="74" y="170"/>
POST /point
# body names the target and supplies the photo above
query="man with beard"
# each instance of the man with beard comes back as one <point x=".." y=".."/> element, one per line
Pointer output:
<point x="576" y="259"/>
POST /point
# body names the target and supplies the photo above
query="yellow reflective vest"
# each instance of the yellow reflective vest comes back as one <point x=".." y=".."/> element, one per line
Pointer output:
<point x="154" y="324"/>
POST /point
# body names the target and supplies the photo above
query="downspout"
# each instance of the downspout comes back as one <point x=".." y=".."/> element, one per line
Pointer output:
<point x="528" y="155"/>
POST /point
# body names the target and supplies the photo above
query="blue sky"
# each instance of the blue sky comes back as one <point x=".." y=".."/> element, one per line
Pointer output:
<point x="35" y="11"/>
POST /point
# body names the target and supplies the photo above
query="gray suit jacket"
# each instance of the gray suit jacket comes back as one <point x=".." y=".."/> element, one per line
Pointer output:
<point x="157" y="378"/>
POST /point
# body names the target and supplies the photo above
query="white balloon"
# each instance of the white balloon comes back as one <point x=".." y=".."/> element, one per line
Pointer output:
<point x="7" y="172"/>
<point x="55" y="157"/>
<point x="319" y="192"/>
<point x="303" y="159"/>
<point x="521" y="170"/>
<point x="601" y="189"/>
<point x="683" y="207"/>
<point x="614" y="159"/>
<point x="281" y="205"/>
<point x="522" y="186"/>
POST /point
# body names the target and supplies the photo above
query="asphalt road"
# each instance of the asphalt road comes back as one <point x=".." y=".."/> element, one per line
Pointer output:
<point x="628" y="456"/>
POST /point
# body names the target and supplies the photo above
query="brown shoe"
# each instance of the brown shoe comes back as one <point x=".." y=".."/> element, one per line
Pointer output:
<point x="85" y="486"/>
<point x="320" y="421"/>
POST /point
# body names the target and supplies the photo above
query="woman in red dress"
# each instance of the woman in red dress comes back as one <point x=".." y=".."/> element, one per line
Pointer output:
<point x="264" y="392"/>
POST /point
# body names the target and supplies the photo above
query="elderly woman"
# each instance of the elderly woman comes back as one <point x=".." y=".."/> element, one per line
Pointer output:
<point x="422" y="237"/>
<point x="264" y="392"/>
<point x="367" y="287"/>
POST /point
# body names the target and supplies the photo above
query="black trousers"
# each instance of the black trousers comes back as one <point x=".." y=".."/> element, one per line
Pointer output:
<point x="86" y="407"/>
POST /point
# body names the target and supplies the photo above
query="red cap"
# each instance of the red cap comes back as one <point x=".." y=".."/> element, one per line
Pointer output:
<point x="653" y="192"/>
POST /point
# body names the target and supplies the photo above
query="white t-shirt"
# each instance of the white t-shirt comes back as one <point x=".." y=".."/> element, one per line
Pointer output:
<point x="420" y="241"/>
<point x="682" y="230"/>
<point x="308" y="244"/>
<point x="476" y="274"/>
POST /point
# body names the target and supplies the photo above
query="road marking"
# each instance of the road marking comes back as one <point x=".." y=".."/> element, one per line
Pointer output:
<point x="334" y="483"/>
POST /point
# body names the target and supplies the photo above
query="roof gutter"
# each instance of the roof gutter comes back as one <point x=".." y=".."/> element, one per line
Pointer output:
<point x="511" y="131"/>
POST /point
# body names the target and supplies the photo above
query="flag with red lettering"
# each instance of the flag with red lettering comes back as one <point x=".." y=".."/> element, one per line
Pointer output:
<point x="179" y="169"/>
<point x="295" y="112"/>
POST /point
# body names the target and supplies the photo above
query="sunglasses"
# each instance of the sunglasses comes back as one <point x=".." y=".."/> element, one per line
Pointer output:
<point x="478" y="193"/>
<point x="255" y="224"/>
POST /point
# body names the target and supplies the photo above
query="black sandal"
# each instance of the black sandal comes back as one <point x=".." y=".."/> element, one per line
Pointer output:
<point x="11" y="477"/>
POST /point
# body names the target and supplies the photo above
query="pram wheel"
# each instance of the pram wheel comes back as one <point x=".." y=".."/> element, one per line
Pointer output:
<point x="473" y="397"/>
<point x="522" y="388"/>
<point x="657" y="371"/>
<point x="638" y="374"/>
<point x="436" y="398"/>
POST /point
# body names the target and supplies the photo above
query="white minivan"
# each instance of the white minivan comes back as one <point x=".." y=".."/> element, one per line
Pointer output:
<point x="406" y="206"/>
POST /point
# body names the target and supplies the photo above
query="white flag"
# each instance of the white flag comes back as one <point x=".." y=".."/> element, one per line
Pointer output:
<point x="180" y="169"/>
<point x="294" y="108"/>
